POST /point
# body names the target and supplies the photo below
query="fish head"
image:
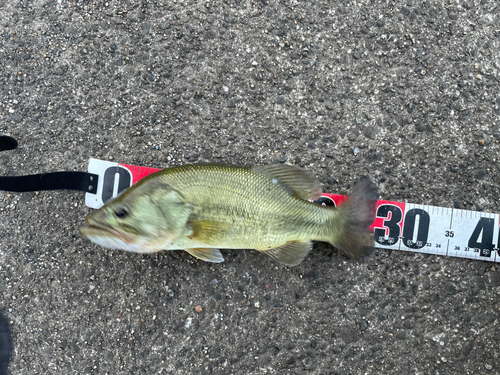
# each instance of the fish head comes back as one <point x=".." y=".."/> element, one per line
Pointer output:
<point x="141" y="220"/>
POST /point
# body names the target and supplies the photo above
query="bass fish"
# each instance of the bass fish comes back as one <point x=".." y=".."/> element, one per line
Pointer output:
<point x="203" y="208"/>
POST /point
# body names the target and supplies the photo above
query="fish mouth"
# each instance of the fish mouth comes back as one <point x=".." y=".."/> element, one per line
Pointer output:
<point x="96" y="229"/>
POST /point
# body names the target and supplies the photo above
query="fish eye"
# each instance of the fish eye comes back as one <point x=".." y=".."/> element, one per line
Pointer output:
<point x="121" y="213"/>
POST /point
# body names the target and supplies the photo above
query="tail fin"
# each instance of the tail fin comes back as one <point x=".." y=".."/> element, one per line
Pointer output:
<point x="357" y="214"/>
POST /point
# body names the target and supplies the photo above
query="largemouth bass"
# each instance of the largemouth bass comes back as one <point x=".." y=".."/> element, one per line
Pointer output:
<point x="203" y="208"/>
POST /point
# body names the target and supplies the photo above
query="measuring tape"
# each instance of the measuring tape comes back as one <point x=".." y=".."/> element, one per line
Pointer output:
<point x="397" y="226"/>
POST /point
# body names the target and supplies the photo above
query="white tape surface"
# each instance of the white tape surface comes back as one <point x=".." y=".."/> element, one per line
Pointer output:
<point x="438" y="230"/>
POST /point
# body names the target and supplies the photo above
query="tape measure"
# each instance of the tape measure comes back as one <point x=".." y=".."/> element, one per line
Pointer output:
<point x="434" y="230"/>
<point x="397" y="226"/>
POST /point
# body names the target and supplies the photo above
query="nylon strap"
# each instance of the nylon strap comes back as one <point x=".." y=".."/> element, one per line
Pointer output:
<point x="82" y="181"/>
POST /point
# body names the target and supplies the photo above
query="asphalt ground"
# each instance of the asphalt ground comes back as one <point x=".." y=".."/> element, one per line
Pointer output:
<point x="404" y="91"/>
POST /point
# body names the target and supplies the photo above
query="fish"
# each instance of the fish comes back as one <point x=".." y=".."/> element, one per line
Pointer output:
<point x="202" y="208"/>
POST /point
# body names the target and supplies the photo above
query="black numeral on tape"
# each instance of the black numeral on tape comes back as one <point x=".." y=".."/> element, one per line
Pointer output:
<point x="484" y="228"/>
<point x="124" y="181"/>
<point x="325" y="201"/>
<point x="422" y="230"/>
<point x="393" y="216"/>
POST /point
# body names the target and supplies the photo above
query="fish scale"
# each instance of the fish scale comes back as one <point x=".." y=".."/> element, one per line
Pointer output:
<point x="262" y="214"/>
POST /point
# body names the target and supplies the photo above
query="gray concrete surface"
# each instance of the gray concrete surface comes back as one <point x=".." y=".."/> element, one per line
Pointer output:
<point x="413" y="84"/>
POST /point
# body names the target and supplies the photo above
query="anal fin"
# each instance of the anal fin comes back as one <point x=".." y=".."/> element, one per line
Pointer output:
<point x="207" y="254"/>
<point x="290" y="254"/>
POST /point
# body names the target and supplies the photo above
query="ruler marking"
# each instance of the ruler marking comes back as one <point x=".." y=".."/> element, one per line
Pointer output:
<point x="495" y="239"/>
<point x="451" y="223"/>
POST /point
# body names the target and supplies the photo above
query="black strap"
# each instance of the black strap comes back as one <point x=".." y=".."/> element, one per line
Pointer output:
<point x="51" y="181"/>
<point x="5" y="345"/>
<point x="7" y="143"/>
<point x="82" y="181"/>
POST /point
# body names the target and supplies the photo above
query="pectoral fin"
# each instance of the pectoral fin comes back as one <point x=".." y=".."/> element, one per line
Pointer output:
<point x="291" y="253"/>
<point x="208" y="231"/>
<point x="207" y="254"/>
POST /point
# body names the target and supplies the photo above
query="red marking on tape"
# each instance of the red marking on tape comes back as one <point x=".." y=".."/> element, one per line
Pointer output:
<point x="138" y="172"/>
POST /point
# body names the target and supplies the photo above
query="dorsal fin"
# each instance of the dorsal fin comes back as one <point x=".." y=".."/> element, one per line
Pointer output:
<point x="302" y="183"/>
